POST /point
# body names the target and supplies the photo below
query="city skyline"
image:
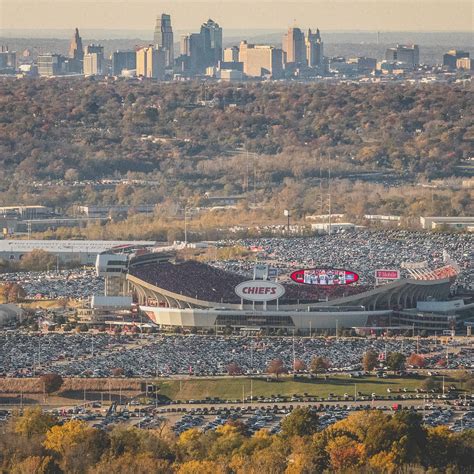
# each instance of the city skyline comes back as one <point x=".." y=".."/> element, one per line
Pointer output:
<point x="342" y="15"/>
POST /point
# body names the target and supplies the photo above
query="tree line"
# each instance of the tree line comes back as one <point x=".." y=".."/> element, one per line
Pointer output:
<point x="367" y="441"/>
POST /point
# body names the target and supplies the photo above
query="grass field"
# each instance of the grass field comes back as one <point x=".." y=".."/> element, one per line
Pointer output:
<point x="232" y="388"/>
<point x="75" y="389"/>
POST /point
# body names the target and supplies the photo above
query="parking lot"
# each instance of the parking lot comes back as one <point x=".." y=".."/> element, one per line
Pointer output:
<point x="362" y="251"/>
<point x="77" y="284"/>
<point x="154" y="355"/>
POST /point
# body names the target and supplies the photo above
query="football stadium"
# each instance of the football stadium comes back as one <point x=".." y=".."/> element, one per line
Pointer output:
<point x="190" y="294"/>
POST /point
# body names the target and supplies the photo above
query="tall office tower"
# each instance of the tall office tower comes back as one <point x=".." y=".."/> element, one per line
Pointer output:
<point x="294" y="46"/>
<point x="314" y="50"/>
<point x="407" y="54"/>
<point x="93" y="64"/>
<point x="211" y="34"/>
<point x="261" y="60"/>
<point x="450" y="58"/>
<point x="231" y="55"/>
<point x="51" y="64"/>
<point x="184" y="47"/>
<point x="465" y="63"/>
<point x="95" y="48"/>
<point x="7" y="60"/>
<point x="76" y="53"/>
<point x="151" y="62"/>
<point x="75" y="50"/>
<point x="123" y="61"/>
<point x="197" y="56"/>
<point x="163" y="37"/>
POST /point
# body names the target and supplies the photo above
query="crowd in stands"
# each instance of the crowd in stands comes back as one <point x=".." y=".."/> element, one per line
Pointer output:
<point x="208" y="283"/>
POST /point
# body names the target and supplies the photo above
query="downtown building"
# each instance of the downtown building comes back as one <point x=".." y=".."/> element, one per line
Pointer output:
<point x="7" y="60"/>
<point x="200" y="51"/>
<point x="93" y="63"/>
<point x="314" y="50"/>
<point x="151" y="62"/>
<point x="294" y="47"/>
<point x="455" y="58"/>
<point x="123" y="61"/>
<point x="76" y="54"/>
<point x="261" y="60"/>
<point x="408" y="55"/>
<point x="163" y="38"/>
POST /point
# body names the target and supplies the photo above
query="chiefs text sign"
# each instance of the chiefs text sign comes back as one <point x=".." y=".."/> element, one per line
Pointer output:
<point x="259" y="290"/>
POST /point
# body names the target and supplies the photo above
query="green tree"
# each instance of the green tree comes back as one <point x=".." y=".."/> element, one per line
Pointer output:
<point x="51" y="382"/>
<point x="370" y="360"/>
<point x="430" y="383"/>
<point x="300" y="422"/>
<point x="396" y="361"/>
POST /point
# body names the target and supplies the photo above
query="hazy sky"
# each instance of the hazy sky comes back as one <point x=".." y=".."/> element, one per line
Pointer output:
<point x="375" y="15"/>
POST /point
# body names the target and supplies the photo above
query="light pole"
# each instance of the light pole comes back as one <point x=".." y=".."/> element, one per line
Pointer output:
<point x="287" y="214"/>
<point x="185" y="226"/>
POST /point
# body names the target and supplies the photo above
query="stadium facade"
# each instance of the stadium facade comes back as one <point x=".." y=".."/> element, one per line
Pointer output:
<point x="191" y="295"/>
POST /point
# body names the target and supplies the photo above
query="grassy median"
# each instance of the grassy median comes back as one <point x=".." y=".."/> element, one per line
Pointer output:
<point x="233" y="388"/>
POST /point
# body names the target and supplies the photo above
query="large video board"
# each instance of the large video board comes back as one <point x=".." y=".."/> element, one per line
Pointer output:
<point x="324" y="276"/>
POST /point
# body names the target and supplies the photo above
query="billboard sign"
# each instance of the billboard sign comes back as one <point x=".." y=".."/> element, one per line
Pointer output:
<point x="324" y="276"/>
<point x="260" y="271"/>
<point x="385" y="274"/>
<point x="259" y="290"/>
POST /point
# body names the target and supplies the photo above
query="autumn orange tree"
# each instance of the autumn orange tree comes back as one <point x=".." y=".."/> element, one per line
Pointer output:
<point x="416" y="360"/>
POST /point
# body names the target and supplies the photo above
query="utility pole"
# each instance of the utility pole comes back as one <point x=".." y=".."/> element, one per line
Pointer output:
<point x="251" y="355"/>
<point x="185" y="227"/>
<point x="294" y="354"/>
<point x="254" y="182"/>
<point x="246" y="182"/>
<point x="329" y="200"/>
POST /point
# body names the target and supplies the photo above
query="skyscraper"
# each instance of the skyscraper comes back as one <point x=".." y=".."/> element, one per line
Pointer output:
<point x="314" y="50"/>
<point x="211" y="34"/>
<point x="75" y="50"/>
<point x="7" y="60"/>
<point x="201" y="50"/>
<point x="93" y="63"/>
<point x="294" y="46"/>
<point x="261" y="60"/>
<point x="51" y="64"/>
<point x="76" y="53"/>
<point x="407" y="54"/>
<point x="151" y="62"/>
<point x="163" y="37"/>
<point x="231" y="54"/>
<point x="123" y="60"/>
<point x="451" y="57"/>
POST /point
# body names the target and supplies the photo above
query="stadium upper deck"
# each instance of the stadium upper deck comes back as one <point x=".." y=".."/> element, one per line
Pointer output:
<point x="192" y="294"/>
<point x="206" y="283"/>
